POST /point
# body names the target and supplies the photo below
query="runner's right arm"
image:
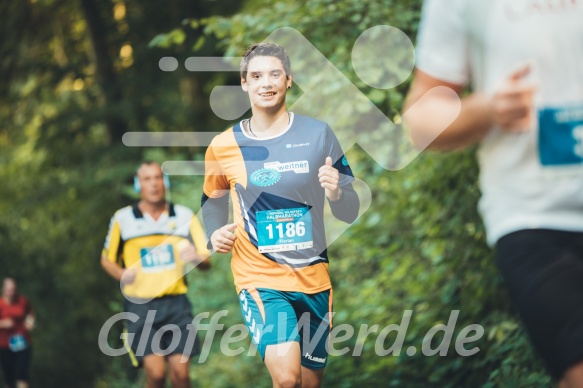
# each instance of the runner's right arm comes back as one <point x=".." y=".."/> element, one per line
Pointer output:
<point x="116" y="271"/>
<point x="425" y="115"/>
<point x="444" y="69"/>
<point x="215" y="205"/>
<point x="215" y="214"/>
<point x="109" y="255"/>
<point x="6" y="323"/>
<point x="347" y="206"/>
<point x="509" y="108"/>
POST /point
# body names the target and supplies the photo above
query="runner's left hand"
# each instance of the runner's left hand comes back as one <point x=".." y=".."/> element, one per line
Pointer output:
<point x="329" y="178"/>
<point x="29" y="322"/>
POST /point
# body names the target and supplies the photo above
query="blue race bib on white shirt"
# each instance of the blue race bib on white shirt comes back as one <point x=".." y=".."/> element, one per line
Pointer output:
<point x="560" y="141"/>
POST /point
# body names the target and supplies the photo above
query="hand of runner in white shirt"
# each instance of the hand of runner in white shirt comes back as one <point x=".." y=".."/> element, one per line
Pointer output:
<point x="512" y="105"/>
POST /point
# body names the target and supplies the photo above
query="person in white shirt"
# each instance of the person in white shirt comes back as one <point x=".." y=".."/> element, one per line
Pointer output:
<point x="523" y="60"/>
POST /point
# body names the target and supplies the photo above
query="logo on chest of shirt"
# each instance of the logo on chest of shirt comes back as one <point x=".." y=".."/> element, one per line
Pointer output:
<point x="518" y="9"/>
<point x="264" y="177"/>
<point x="295" y="145"/>
<point x="299" y="166"/>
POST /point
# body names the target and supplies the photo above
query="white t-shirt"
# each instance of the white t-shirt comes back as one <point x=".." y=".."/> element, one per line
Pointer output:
<point x="533" y="179"/>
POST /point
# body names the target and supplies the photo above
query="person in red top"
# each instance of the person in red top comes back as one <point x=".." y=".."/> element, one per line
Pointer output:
<point x="16" y="322"/>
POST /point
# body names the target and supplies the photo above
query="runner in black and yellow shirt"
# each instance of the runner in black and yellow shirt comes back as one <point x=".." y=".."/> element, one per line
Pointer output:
<point x="146" y="249"/>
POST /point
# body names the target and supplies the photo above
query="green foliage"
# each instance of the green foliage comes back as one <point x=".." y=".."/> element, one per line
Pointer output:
<point x="76" y="76"/>
<point x="174" y="37"/>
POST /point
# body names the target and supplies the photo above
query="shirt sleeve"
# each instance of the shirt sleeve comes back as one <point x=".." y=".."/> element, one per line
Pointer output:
<point x="442" y="41"/>
<point x="215" y="214"/>
<point x="198" y="237"/>
<point x="112" y="241"/>
<point x="347" y="207"/>
<point x="215" y="201"/>
<point x="339" y="161"/>
<point x="215" y="181"/>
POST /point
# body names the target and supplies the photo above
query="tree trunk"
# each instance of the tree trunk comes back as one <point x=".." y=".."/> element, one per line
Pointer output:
<point x="106" y="77"/>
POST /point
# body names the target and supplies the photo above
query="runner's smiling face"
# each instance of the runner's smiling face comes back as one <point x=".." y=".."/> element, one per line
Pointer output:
<point x="266" y="83"/>
<point x="151" y="183"/>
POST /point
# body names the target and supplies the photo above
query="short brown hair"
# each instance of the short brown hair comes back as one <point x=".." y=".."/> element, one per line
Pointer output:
<point x="148" y="163"/>
<point x="267" y="50"/>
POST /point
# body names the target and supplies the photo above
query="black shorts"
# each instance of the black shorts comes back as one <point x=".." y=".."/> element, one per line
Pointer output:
<point x="164" y="327"/>
<point x="15" y="365"/>
<point x="543" y="270"/>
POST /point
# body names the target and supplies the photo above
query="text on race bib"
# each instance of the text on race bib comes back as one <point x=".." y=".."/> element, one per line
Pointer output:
<point x="560" y="140"/>
<point x="284" y="230"/>
<point x="157" y="259"/>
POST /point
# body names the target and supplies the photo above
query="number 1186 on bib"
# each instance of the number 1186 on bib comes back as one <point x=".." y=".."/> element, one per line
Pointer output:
<point x="284" y="230"/>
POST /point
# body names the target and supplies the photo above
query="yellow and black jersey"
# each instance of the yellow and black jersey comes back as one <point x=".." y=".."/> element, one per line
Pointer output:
<point x="136" y="240"/>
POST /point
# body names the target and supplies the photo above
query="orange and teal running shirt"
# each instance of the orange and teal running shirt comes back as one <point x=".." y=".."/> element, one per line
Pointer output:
<point x="277" y="201"/>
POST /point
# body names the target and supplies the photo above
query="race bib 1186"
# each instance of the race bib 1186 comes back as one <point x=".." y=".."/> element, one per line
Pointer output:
<point x="560" y="141"/>
<point x="157" y="259"/>
<point x="284" y="230"/>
